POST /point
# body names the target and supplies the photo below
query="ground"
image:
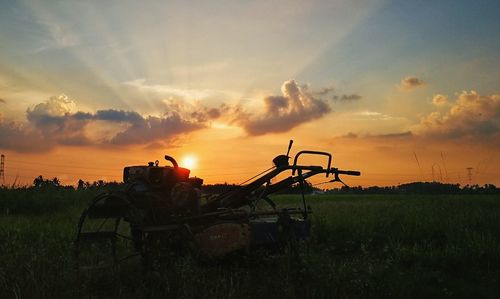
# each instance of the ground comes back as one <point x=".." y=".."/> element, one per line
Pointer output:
<point x="361" y="246"/>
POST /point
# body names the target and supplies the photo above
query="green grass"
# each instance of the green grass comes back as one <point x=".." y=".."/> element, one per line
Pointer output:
<point x="362" y="246"/>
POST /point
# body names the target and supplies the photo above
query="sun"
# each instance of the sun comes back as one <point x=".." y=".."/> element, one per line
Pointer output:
<point x="189" y="162"/>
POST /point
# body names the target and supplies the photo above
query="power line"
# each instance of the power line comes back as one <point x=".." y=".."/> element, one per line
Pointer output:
<point x="61" y="165"/>
<point x="115" y="173"/>
<point x="65" y="172"/>
<point x="253" y="167"/>
<point x="228" y="174"/>
<point x="121" y="169"/>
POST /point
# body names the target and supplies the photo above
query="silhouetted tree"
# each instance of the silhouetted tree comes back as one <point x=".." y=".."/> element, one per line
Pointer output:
<point x="41" y="183"/>
<point x="81" y="185"/>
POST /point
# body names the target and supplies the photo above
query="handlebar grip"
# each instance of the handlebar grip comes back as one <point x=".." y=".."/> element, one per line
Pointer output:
<point x="351" y="172"/>
<point x="346" y="172"/>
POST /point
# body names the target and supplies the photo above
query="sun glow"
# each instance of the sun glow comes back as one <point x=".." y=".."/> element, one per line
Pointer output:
<point x="189" y="162"/>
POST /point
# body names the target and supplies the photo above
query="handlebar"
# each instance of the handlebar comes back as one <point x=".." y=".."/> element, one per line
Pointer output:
<point x="346" y="172"/>
<point x="313" y="153"/>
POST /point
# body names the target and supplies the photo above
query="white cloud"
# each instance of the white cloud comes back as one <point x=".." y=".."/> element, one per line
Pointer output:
<point x="472" y="116"/>
<point x="440" y="100"/>
<point x="55" y="106"/>
<point x="370" y="115"/>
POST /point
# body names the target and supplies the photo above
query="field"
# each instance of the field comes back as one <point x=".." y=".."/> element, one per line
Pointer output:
<point x="362" y="246"/>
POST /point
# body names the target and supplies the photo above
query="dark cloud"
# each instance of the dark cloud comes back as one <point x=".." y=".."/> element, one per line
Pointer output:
<point x="205" y="114"/>
<point x="155" y="128"/>
<point x="282" y="113"/>
<point x="275" y="104"/>
<point x="329" y="93"/>
<point x="324" y="92"/>
<point x="2" y="101"/>
<point x="193" y="112"/>
<point x="213" y="113"/>
<point x="15" y="136"/>
<point x="41" y="131"/>
<point x="411" y="82"/>
<point x="82" y="116"/>
<point x="56" y="125"/>
<point x="401" y="135"/>
<point x="347" y="97"/>
<point x="396" y="135"/>
<point x="118" y="116"/>
<point x="53" y="123"/>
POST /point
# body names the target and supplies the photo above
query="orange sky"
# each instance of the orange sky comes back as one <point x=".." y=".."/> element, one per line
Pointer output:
<point x="87" y="88"/>
<point x="235" y="159"/>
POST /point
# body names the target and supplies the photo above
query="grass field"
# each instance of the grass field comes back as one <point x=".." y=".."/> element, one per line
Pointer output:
<point x="362" y="246"/>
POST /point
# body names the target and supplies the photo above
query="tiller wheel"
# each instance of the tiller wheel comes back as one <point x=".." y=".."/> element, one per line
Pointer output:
<point x="105" y="236"/>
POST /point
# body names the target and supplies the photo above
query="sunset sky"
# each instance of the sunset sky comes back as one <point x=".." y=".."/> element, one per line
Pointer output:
<point x="401" y="90"/>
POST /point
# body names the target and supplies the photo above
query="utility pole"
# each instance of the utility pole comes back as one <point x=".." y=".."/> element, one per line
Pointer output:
<point x="469" y="174"/>
<point x="2" y="169"/>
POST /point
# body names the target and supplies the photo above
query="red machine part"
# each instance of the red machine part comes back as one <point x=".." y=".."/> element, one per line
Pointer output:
<point x="223" y="238"/>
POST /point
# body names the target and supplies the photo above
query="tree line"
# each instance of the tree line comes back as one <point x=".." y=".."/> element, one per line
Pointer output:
<point x="409" y="188"/>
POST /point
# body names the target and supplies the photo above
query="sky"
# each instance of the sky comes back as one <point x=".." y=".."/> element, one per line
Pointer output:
<point x="402" y="91"/>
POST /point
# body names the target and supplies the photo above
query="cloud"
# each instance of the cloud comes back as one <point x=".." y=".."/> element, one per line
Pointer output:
<point x="471" y="119"/>
<point x="116" y="116"/>
<point x="348" y="97"/>
<point x="55" y="106"/>
<point x="440" y="100"/>
<point x="472" y="116"/>
<point x="370" y="115"/>
<point x="54" y="123"/>
<point x="298" y="104"/>
<point x="325" y="91"/>
<point x="411" y="82"/>
<point x="3" y="101"/>
<point x="282" y="113"/>
<point x="154" y="128"/>
<point x="192" y="111"/>
<point x="328" y="93"/>
<point x="402" y="135"/>
<point x="17" y="137"/>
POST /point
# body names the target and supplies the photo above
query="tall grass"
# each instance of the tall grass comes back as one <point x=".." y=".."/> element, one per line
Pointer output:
<point x="361" y="246"/>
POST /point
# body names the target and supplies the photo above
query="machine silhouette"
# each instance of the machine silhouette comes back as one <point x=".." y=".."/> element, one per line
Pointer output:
<point x="161" y="212"/>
